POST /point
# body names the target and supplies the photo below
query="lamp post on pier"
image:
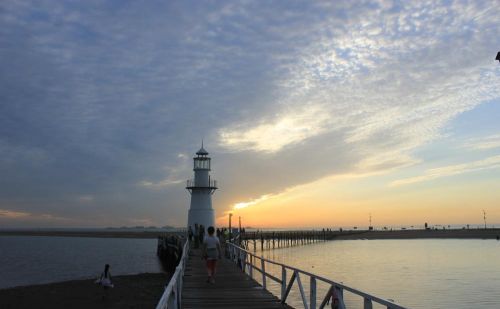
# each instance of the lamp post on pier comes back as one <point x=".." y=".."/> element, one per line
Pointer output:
<point x="230" y="231"/>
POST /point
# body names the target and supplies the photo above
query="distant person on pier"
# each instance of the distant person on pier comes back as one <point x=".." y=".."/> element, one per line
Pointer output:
<point x="211" y="252"/>
<point x="105" y="281"/>
<point x="201" y="233"/>
<point x="190" y="234"/>
<point x="196" y="238"/>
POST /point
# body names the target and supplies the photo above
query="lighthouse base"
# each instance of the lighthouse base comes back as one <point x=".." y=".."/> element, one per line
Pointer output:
<point x="205" y="217"/>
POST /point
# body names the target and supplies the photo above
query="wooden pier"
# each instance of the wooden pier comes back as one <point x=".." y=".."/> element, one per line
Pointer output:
<point x="232" y="289"/>
<point x="279" y="239"/>
<point x="236" y="288"/>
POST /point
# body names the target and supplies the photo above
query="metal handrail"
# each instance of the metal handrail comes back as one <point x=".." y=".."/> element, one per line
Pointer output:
<point x="172" y="295"/>
<point x="191" y="183"/>
<point x="248" y="263"/>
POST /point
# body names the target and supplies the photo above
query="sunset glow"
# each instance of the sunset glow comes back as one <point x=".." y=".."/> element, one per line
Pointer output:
<point x="315" y="114"/>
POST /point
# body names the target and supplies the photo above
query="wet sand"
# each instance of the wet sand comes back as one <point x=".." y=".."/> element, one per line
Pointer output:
<point x="134" y="291"/>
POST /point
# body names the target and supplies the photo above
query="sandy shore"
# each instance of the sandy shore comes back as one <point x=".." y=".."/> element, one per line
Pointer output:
<point x="415" y="234"/>
<point x="135" y="291"/>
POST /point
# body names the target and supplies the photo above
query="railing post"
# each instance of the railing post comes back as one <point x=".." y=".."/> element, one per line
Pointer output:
<point x="179" y="292"/>
<point x="263" y="267"/>
<point x="244" y="261"/>
<point x="312" y="294"/>
<point x="283" y="281"/>
<point x="301" y="289"/>
<point x="368" y="303"/>
<point x="250" y="270"/>
<point x="340" y="296"/>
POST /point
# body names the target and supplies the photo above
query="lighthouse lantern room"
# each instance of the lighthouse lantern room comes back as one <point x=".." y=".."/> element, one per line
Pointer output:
<point x="201" y="189"/>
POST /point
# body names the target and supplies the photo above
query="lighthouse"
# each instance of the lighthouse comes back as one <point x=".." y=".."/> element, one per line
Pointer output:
<point x="201" y="189"/>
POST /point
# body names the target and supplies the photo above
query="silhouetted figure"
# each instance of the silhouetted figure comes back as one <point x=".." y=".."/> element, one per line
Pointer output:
<point x="190" y="234"/>
<point x="201" y="233"/>
<point x="196" y="235"/>
<point x="498" y="57"/>
<point x="105" y="281"/>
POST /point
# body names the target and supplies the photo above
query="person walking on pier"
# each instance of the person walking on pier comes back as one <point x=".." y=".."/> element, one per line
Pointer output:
<point x="196" y="238"/>
<point x="201" y="234"/>
<point x="211" y="252"/>
<point x="190" y="234"/>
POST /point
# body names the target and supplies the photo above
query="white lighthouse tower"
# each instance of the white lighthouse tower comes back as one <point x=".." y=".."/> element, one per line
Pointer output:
<point x="201" y="189"/>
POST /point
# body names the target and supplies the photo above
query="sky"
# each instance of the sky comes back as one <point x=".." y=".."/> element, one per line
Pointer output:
<point x="315" y="114"/>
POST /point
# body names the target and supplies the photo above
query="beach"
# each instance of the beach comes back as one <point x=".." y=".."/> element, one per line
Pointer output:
<point x="132" y="291"/>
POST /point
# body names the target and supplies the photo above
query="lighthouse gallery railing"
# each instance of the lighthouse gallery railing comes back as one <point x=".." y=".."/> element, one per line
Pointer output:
<point x="192" y="184"/>
<point x="172" y="295"/>
<point x="249" y="262"/>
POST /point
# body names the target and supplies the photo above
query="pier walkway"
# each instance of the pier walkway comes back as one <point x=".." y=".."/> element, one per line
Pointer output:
<point x="235" y="287"/>
<point x="232" y="289"/>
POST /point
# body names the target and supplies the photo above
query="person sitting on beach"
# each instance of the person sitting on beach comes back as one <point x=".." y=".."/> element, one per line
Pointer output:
<point x="211" y="251"/>
<point x="105" y="280"/>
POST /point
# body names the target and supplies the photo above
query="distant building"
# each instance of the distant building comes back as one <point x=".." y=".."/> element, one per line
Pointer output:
<point x="201" y="189"/>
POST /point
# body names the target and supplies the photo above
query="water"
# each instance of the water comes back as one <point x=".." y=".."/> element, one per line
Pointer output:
<point x="417" y="273"/>
<point x="27" y="260"/>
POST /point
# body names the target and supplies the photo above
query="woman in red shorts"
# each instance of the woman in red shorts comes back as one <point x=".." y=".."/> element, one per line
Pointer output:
<point x="211" y="252"/>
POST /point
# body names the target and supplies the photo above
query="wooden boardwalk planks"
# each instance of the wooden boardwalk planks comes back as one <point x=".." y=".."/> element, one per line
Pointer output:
<point x="232" y="289"/>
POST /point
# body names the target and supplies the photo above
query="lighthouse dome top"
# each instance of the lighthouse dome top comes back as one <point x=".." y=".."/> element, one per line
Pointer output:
<point x="202" y="151"/>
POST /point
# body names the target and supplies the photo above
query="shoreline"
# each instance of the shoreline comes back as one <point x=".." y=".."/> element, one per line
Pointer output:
<point x="423" y="234"/>
<point x="95" y="234"/>
<point x="490" y="233"/>
<point x="130" y="291"/>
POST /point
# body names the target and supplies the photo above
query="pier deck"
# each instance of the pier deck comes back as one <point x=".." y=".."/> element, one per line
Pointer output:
<point x="232" y="289"/>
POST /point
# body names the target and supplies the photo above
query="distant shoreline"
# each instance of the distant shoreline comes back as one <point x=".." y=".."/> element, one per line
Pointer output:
<point x="423" y="234"/>
<point x="98" y="234"/>
<point x="490" y="233"/>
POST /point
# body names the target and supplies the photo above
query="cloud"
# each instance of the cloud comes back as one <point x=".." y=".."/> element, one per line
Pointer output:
<point x="354" y="76"/>
<point x="13" y="214"/>
<point x="20" y="215"/>
<point x="483" y="143"/>
<point x="241" y="205"/>
<point x="98" y="97"/>
<point x="451" y="170"/>
<point x="159" y="184"/>
<point x="86" y="198"/>
<point x="287" y="129"/>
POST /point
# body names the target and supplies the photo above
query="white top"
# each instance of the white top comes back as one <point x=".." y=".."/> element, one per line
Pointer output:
<point x="211" y="242"/>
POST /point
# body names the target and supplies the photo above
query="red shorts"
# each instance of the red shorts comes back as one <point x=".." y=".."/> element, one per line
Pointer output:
<point x="211" y="263"/>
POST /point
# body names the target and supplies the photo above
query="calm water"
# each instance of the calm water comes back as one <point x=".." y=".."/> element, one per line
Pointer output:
<point x="417" y="273"/>
<point x="26" y="260"/>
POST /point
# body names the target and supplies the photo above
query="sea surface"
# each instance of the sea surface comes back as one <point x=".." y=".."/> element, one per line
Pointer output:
<point x="28" y="260"/>
<point x="415" y="273"/>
